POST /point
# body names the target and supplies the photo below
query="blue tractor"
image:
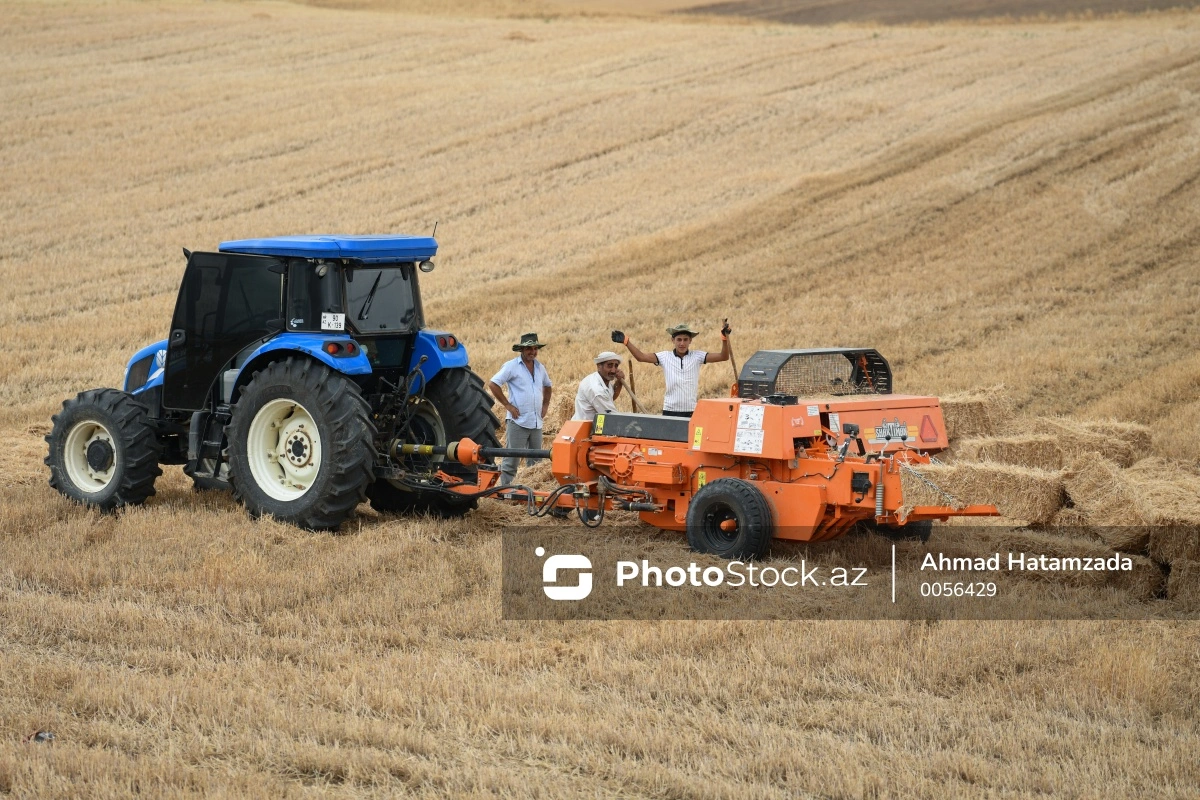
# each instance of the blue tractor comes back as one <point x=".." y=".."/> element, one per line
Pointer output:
<point x="295" y="369"/>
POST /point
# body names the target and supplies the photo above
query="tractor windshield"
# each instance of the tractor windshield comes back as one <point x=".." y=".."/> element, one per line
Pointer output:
<point x="380" y="299"/>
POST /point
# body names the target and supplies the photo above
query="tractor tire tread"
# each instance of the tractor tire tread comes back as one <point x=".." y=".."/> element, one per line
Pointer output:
<point x="749" y="505"/>
<point x="341" y="406"/>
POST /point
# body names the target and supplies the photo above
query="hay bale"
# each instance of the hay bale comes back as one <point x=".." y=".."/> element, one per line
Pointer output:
<point x="981" y="413"/>
<point x="1134" y="434"/>
<point x="1146" y="581"/>
<point x="562" y="408"/>
<point x="1183" y="586"/>
<point x="1069" y="517"/>
<point x="1099" y="489"/>
<point x="1038" y="451"/>
<point x="1118" y="442"/>
<point x="1032" y="495"/>
<point x="1171" y="543"/>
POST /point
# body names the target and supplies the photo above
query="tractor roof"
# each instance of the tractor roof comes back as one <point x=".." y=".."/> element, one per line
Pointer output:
<point x="370" y="249"/>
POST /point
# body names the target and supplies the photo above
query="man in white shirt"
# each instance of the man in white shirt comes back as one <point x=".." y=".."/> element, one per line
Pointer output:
<point x="527" y="401"/>
<point x="681" y="367"/>
<point x="598" y="391"/>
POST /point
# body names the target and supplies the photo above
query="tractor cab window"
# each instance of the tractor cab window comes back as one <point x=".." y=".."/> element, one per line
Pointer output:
<point x="381" y="299"/>
<point x="226" y="302"/>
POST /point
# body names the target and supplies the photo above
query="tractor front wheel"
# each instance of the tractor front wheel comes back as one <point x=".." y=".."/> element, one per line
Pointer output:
<point x="730" y="518"/>
<point x="103" y="451"/>
<point x="301" y="445"/>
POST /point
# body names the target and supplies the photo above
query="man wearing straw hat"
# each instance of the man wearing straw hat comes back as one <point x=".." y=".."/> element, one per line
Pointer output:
<point x="680" y="366"/>
<point x="527" y="401"/>
<point x="598" y="391"/>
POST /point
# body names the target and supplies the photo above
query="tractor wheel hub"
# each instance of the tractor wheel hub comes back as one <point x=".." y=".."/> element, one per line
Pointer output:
<point x="298" y="448"/>
<point x="100" y="455"/>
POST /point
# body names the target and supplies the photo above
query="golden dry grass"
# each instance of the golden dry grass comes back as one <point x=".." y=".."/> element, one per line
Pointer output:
<point x="990" y="203"/>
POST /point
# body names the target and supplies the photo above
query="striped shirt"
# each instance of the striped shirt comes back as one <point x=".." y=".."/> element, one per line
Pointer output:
<point x="682" y="376"/>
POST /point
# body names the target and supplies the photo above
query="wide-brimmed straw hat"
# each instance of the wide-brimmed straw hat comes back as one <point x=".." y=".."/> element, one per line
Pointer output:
<point x="528" y="340"/>
<point x="682" y="328"/>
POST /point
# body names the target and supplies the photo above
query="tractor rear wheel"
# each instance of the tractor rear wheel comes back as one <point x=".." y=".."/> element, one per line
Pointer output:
<point x="459" y="407"/>
<point x="301" y="445"/>
<point x="730" y="518"/>
<point x="103" y="451"/>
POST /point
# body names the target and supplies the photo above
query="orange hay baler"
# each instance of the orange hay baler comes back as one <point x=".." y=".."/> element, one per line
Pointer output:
<point x="813" y="443"/>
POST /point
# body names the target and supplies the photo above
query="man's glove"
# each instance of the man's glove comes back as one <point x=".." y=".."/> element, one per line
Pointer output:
<point x="619" y="337"/>
<point x="726" y="330"/>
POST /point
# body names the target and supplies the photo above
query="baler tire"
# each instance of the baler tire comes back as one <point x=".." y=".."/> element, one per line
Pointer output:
<point x="103" y="424"/>
<point x="277" y="405"/>
<point x="730" y="499"/>
<point x="465" y="409"/>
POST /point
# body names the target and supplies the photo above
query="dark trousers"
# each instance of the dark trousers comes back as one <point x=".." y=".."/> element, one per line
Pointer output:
<point x="687" y="414"/>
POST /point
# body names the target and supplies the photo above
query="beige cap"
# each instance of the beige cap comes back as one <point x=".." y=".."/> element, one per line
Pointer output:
<point x="607" y="355"/>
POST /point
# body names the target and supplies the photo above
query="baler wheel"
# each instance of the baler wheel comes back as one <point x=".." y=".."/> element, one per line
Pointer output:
<point x="724" y="501"/>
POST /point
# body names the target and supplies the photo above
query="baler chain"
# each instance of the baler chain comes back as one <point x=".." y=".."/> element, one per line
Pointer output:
<point x="954" y="501"/>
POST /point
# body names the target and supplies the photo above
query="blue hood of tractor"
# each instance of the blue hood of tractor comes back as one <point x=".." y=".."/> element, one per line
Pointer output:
<point x="369" y="249"/>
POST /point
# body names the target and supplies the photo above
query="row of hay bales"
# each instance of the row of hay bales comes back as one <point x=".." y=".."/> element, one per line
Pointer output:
<point x="1095" y="481"/>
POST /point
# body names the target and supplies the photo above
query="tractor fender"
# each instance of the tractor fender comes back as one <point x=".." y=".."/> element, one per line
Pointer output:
<point x="309" y="344"/>
<point x="146" y="374"/>
<point x="439" y="353"/>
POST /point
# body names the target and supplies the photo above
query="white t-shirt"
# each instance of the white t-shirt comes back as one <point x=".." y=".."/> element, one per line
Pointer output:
<point x="594" y="397"/>
<point x="682" y="376"/>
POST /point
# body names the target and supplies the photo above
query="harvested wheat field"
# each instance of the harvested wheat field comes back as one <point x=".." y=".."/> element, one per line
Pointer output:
<point x="989" y="203"/>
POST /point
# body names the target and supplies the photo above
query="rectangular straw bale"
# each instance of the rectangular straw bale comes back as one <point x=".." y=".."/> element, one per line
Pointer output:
<point x="1183" y="586"/>
<point x="980" y="413"/>
<point x="1100" y="490"/>
<point x="1168" y="491"/>
<point x="1171" y="543"/>
<point x="1076" y="437"/>
<point x="1038" y="451"/>
<point x="1134" y="434"/>
<point x="1168" y="495"/>
<point x="1032" y="495"/>
<point x="562" y="408"/>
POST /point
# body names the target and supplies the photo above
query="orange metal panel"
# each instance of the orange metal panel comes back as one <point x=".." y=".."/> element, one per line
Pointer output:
<point x="647" y="472"/>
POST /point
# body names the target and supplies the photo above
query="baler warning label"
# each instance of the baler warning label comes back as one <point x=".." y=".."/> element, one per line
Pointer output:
<point x="750" y="417"/>
<point x="748" y="441"/>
